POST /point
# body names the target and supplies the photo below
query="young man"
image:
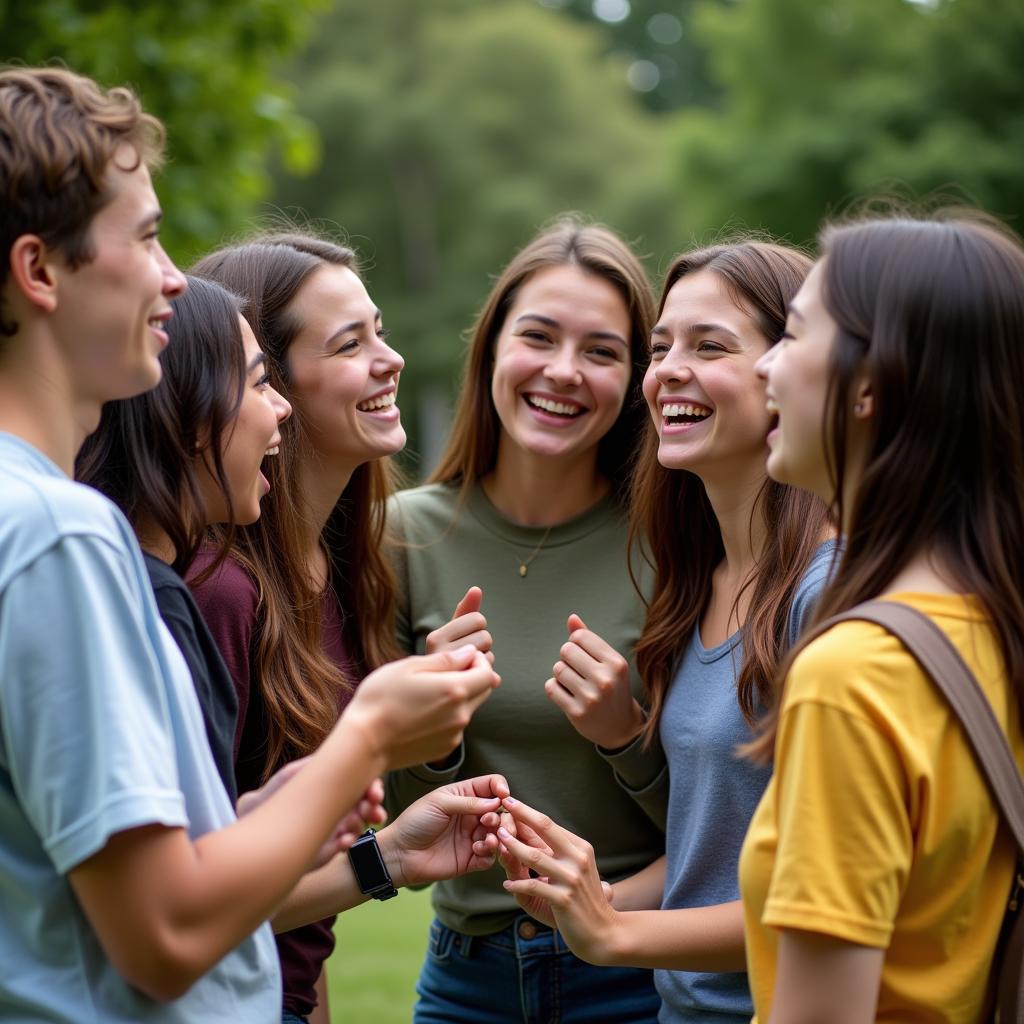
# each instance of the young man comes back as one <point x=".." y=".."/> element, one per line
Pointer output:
<point x="128" y="891"/>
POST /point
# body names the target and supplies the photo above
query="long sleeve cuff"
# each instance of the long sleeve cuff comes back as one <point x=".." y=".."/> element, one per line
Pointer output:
<point x="636" y="769"/>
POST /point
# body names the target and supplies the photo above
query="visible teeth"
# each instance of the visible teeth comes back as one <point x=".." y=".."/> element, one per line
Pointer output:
<point x="380" y="402"/>
<point x="560" y="408"/>
<point x="771" y="406"/>
<point x="679" y="409"/>
<point x="273" y="451"/>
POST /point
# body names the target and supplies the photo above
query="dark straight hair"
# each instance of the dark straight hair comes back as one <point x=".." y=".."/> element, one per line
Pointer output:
<point x="143" y="454"/>
<point x="673" y="524"/>
<point x="299" y="683"/>
<point x="931" y="313"/>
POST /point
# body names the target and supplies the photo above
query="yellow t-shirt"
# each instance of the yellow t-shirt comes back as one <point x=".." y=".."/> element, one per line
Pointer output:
<point x="877" y="826"/>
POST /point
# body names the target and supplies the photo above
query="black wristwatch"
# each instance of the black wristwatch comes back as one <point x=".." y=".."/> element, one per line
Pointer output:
<point x="370" y="870"/>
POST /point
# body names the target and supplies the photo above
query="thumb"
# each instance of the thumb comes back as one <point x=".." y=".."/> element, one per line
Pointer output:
<point x="470" y="603"/>
<point x="444" y="661"/>
<point x="575" y="622"/>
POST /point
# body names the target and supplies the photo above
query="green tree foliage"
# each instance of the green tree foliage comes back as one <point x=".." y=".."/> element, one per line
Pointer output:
<point x="660" y="33"/>
<point x="826" y="101"/>
<point x="450" y="132"/>
<point x="205" y="67"/>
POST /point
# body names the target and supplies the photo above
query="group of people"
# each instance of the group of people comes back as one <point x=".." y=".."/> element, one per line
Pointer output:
<point x="569" y="666"/>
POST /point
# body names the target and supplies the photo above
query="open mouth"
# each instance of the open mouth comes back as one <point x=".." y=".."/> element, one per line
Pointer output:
<point x="567" y="410"/>
<point x="378" y="403"/>
<point x="685" y="412"/>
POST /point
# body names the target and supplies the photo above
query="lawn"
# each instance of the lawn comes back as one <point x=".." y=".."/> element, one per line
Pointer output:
<point x="372" y="973"/>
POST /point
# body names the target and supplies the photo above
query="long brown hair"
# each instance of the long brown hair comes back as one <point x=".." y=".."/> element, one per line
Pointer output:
<point x="143" y="454"/>
<point x="673" y="524"/>
<point x="298" y="682"/>
<point x="472" y="449"/>
<point x="931" y="313"/>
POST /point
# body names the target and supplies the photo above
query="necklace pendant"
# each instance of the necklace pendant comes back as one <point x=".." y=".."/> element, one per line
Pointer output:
<point x="522" y="569"/>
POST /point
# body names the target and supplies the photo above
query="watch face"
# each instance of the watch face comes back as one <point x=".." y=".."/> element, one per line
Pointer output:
<point x="368" y="863"/>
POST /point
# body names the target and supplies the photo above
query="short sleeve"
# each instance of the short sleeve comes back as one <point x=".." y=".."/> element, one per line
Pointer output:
<point x="845" y="845"/>
<point x="87" y="732"/>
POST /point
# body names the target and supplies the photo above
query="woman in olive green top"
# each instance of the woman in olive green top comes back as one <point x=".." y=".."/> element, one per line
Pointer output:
<point x="523" y="521"/>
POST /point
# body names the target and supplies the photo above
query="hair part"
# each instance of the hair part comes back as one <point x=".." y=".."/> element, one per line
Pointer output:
<point x="143" y="454"/>
<point x="299" y="683"/>
<point x="762" y="278"/>
<point x="930" y="312"/>
<point x="472" y="448"/>
<point x="59" y="132"/>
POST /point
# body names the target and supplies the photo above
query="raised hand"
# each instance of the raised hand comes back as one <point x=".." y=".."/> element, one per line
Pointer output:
<point x="368" y="811"/>
<point x="442" y="835"/>
<point x="466" y="626"/>
<point x="567" y="880"/>
<point x="591" y="686"/>
<point x="416" y="709"/>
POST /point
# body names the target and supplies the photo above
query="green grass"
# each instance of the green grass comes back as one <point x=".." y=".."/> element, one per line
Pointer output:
<point x="372" y="973"/>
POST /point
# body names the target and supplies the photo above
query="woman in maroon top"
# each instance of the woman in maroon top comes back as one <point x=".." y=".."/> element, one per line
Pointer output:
<point x="285" y="608"/>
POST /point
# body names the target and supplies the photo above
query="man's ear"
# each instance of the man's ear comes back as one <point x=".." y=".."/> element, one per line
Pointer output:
<point x="863" y="400"/>
<point x="33" y="272"/>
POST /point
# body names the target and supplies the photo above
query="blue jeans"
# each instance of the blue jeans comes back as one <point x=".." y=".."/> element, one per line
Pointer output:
<point x="525" y="974"/>
<point x="287" y="1017"/>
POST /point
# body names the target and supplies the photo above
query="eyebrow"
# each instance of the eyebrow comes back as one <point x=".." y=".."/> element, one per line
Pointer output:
<point x="549" y="322"/>
<point x="353" y="325"/>
<point x="661" y="330"/>
<point x="260" y="359"/>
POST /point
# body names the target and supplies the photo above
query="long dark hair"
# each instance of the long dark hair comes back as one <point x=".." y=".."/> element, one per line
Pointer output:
<point x="298" y="682"/>
<point x="143" y="454"/>
<point x="673" y="524"/>
<point x="472" y="448"/>
<point x="931" y="314"/>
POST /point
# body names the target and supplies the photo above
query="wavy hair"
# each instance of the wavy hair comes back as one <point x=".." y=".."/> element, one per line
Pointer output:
<point x="762" y="278"/>
<point x="931" y="313"/>
<point x="298" y="682"/>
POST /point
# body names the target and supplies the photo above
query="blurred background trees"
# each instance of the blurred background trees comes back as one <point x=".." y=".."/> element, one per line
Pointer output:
<point x="438" y="134"/>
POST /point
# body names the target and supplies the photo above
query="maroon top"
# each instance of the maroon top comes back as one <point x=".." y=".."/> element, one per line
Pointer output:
<point x="229" y="602"/>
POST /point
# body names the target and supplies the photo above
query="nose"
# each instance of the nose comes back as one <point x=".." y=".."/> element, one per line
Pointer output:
<point x="561" y="369"/>
<point x="282" y="407"/>
<point x="174" y="280"/>
<point x="387" y="361"/>
<point x="672" y="369"/>
<point x="763" y="366"/>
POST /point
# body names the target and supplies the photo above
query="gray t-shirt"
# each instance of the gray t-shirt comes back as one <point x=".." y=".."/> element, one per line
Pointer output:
<point x="100" y="732"/>
<point x="712" y="797"/>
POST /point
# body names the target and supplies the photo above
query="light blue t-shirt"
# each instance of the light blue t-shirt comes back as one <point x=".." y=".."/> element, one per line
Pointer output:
<point x="100" y="731"/>
<point x="712" y="797"/>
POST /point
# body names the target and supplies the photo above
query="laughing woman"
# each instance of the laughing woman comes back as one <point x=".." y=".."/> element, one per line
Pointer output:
<point x="876" y="871"/>
<point x="524" y="520"/>
<point x="285" y="608"/>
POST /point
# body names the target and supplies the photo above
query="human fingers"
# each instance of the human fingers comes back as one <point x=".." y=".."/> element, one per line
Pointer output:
<point x="470" y="629"/>
<point x="559" y="840"/>
<point x="457" y="804"/>
<point x="594" y="644"/>
<point x="470" y="603"/>
<point x="563" y="698"/>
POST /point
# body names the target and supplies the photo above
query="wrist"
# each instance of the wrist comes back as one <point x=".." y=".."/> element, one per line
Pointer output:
<point x="392" y="857"/>
<point x="359" y="727"/>
<point x="619" y="741"/>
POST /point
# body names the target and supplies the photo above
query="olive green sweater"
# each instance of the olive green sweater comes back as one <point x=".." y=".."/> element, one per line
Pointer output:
<point x="615" y="800"/>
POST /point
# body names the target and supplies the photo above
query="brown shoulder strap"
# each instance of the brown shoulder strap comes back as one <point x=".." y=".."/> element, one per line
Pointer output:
<point x="943" y="662"/>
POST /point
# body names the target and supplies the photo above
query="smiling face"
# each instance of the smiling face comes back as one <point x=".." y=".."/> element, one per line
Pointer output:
<point x="561" y="364"/>
<point x="248" y="439"/>
<point x="797" y="376"/>
<point x="704" y="396"/>
<point x="343" y="376"/>
<point x="112" y="310"/>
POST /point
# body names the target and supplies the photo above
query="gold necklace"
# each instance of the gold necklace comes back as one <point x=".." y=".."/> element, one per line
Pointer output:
<point x="523" y="566"/>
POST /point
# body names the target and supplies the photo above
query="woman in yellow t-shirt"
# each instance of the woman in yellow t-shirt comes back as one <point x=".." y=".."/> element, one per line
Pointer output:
<point x="876" y="870"/>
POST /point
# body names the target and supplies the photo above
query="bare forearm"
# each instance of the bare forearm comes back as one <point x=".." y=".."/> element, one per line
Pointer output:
<point x="694" y="939"/>
<point x="642" y="891"/>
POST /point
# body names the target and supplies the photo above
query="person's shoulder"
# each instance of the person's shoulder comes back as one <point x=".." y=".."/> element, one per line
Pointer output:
<point x="423" y="507"/>
<point x="227" y="585"/>
<point x="38" y="511"/>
